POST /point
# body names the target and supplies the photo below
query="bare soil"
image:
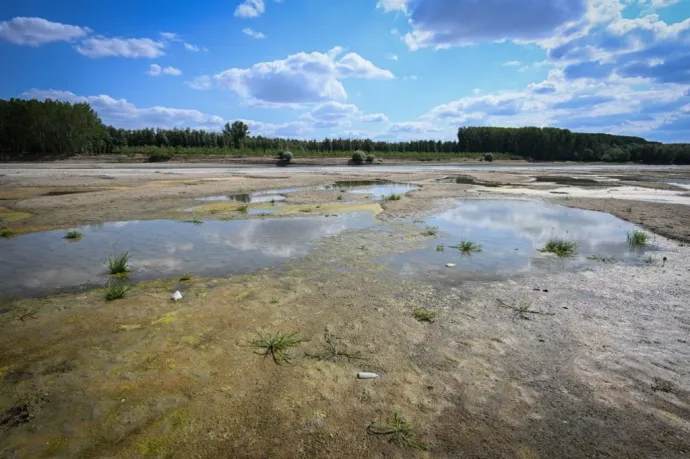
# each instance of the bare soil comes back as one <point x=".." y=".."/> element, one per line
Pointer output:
<point x="596" y="367"/>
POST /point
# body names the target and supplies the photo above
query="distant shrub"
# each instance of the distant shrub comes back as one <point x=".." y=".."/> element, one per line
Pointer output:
<point x="286" y="156"/>
<point x="358" y="157"/>
<point x="371" y="157"/>
<point x="159" y="157"/>
<point x="489" y="157"/>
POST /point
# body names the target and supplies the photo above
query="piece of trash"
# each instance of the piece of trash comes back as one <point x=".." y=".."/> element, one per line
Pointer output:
<point x="450" y="265"/>
<point x="365" y="375"/>
<point x="176" y="296"/>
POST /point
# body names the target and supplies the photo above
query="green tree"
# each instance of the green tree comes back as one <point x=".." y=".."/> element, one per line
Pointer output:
<point x="237" y="132"/>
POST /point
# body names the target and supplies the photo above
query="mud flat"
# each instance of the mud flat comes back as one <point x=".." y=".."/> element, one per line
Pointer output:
<point x="510" y="352"/>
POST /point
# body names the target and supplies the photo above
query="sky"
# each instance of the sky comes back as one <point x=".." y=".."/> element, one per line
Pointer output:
<point x="380" y="69"/>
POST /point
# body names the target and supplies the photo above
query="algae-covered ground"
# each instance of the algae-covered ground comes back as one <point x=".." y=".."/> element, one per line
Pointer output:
<point x="559" y="363"/>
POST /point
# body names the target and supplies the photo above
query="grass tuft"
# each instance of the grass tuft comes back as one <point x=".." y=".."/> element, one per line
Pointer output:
<point x="637" y="239"/>
<point x="424" y="315"/>
<point x="440" y="248"/>
<point x="277" y="345"/>
<point x="242" y="209"/>
<point x="601" y="259"/>
<point x="431" y="230"/>
<point x="467" y="248"/>
<point x="334" y="351"/>
<point x="560" y="248"/>
<point x="7" y="233"/>
<point x="186" y="277"/>
<point x="393" y="197"/>
<point x="195" y="220"/>
<point x="116" y="290"/>
<point x="73" y="235"/>
<point x="649" y="259"/>
<point x="118" y="264"/>
<point x="400" y="432"/>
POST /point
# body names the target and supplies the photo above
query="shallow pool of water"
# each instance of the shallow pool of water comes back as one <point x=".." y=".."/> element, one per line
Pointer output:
<point x="511" y="232"/>
<point x="39" y="263"/>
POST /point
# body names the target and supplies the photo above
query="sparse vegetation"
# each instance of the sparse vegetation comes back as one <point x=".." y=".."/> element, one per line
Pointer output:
<point x="440" y="248"/>
<point x="276" y="345"/>
<point x="273" y="300"/>
<point x="649" y="260"/>
<point x="637" y="239"/>
<point x="334" y="351"/>
<point x="242" y="209"/>
<point x="116" y="290"/>
<point x="195" y="220"/>
<point x="7" y="233"/>
<point x="186" y="277"/>
<point x="119" y="264"/>
<point x="601" y="259"/>
<point x="561" y="248"/>
<point x="399" y="431"/>
<point x="393" y="197"/>
<point x="424" y="315"/>
<point x="431" y="230"/>
<point x="522" y="308"/>
<point x="467" y="248"/>
<point x="73" y="235"/>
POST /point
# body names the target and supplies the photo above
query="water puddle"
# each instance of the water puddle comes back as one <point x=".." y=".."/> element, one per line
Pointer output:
<point x="511" y="232"/>
<point x="376" y="188"/>
<point x="40" y="263"/>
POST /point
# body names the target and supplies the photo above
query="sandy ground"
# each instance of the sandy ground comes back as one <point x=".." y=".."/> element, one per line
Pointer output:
<point x="596" y="365"/>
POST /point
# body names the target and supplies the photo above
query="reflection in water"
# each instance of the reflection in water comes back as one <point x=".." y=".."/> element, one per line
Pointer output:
<point x="38" y="263"/>
<point x="511" y="233"/>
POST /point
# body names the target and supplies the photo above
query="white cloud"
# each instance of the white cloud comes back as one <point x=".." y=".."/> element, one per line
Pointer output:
<point x="250" y="9"/>
<point x="392" y="5"/>
<point x="156" y="70"/>
<point x="395" y="32"/>
<point x="302" y="78"/>
<point x="123" y="47"/>
<point x="170" y="36"/>
<point x="512" y="64"/>
<point x="375" y="118"/>
<point x="331" y="114"/>
<point x="252" y="33"/>
<point x="38" y="31"/>
<point x="393" y="57"/>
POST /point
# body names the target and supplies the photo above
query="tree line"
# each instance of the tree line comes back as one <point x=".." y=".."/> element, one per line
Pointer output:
<point x="36" y="129"/>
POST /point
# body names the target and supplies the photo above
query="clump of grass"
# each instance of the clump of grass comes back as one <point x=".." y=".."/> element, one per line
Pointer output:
<point x="273" y="300"/>
<point x="393" y="197"/>
<point x="431" y="230"/>
<point x="243" y="209"/>
<point x="440" y="248"/>
<point x="637" y="239"/>
<point x="7" y="233"/>
<point x="73" y="235"/>
<point x="334" y="351"/>
<point x="399" y="431"/>
<point x="276" y="345"/>
<point x="119" y="264"/>
<point x="561" y="248"/>
<point x="116" y="290"/>
<point x="467" y="248"/>
<point x="522" y="308"/>
<point x="649" y="259"/>
<point x="195" y="220"/>
<point x="601" y="259"/>
<point x="186" y="277"/>
<point x="424" y="315"/>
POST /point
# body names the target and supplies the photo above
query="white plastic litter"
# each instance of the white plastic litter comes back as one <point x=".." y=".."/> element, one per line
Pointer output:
<point x="365" y="375"/>
<point x="450" y="265"/>
<point x="176" y="296"/>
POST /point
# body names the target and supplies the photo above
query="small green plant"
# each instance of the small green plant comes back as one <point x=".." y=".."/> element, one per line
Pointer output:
<point x="358" y="157"/>
<point x="393" y="197"/>
<point x="119" y="264"/>
<point x="467" y="248"/>
<point x="489" y="157"/>
<point x="424" y="315"/>
<point x="195" y="220"/>
<point x="7" y="233"/>
<point x="522" y="308"/>
<point x="242" y="209"/>
<point x="601" y="259"/>
<point x="637" y="239"/>
<point x="400" y="432"/>
<point x="370" y="158"/>
<point x="440" y="248"/>
<point x="334" y="351"/>
<point x="273" y="300"/>
<point x="186" y="277"/>
<point x="276" y="345"/>
<point x="431" y="230"/>
<point x="285" y="156"/>
<point x="649" y="259"/>
<point x="560" y="248"/>
<point x="73" y="235"/>
<point x="116" y="290"/>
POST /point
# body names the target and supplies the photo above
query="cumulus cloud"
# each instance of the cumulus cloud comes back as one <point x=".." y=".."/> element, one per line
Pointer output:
<point x="331" y="114"/>
<point x="252" y="33"/>
<point x="392" y="5"/>
<point x="512" y="64"/>
<point x="250" y="9"/>
<point x="393" y="57"/>
<point x="157" y="70"/>
<point x="38" y="31"/>
<point x="302" y="78"/>
<point x="375" y="118"/>
<point x="445" y="23"/>
<point x="123" y="47"/>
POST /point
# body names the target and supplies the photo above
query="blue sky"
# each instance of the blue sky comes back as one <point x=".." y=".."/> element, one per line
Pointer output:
<point x="384" y="69"/>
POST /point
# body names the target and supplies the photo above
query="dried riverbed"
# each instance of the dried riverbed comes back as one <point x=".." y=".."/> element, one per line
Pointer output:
<point x="582" y="357"/>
